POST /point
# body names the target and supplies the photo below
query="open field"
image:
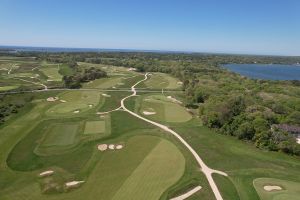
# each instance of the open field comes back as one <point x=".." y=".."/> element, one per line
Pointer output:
<point x="94" y="127"/>
<point x="52" y="72"/>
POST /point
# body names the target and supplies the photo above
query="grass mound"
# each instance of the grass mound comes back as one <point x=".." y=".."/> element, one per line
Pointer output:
<point x="165" y="109"/>
<point x="290" y="190"/>
<point x="75" y="101"/>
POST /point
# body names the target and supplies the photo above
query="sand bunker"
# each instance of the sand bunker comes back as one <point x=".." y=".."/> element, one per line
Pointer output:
<point x="90" y="105"/>
<point x="76" y="111"/>
<point x="49" y="80"/>
<point x="111" y="146"/>
<point x="52" y="99"/>
<point x="106" y="95"/>
<point x="63" y="101"/>
<point x="174" y="100"/>
<point x="119" y="146"/>
<point x="132" y="69"/>
<point x="298" y="139"/>
<point x="73" y="183"/>
<point x="149" y="113"/>
<point x="180" y="83"/>
<point x="46" y="173"/>
<point x="102" y="147"/>
<point x="114" y="87"/>
<point x="270" y="188"/>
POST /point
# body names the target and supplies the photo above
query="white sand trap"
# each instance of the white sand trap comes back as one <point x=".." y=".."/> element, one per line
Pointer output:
<point x="132" y="69"/>
<point x="106" y="95"/>
<point x="180" y="83"/>
<point x="149" y="113"/>
<point x="76" y="111"/>
<point x="49" y="80"/>
<point x="114" y="87"/>
<point x="46" y="173"/>
<point x="111" y="146"/>
<point x="119" y="146"/>
<point x="102" y="147"/>
<point x="298" y="139"/>
<point x="63" y="101"/>
<point x="73" y="183"/>
<point x="270" y="188"/>
<point x="52" y="99"/>
<point x="90" y="105"/>
<point x="174" y="100"/>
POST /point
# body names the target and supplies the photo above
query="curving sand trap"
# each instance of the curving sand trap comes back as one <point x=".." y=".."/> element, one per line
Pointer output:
<point x="52" y="99"/>
<point x="114" y="87"/>
<point x="174" y="100"/>
<point x="111" y="146"/>
<point x="102" y="147"/>
<point x="119" y="146"/>
<point x="106" y="95"/>
<point x="270" y="188"/>
<point x="73" y="183"/>
<point x="63" y="101"/>
<point x="180" y="83"/>
<point x="132" y="69"/>
<point x="49" y="80"/>
<point x="90" y="105"/>
<point x="46" y="173"/>
<point x="149" y="113"/>
<point x="76" y="111"/>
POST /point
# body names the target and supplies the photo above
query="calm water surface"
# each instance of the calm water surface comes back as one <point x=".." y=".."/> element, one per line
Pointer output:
<point x="268" y="72"/>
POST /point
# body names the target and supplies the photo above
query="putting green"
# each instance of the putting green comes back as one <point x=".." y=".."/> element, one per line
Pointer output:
<point x="104" y="83"/>
<point x="164" y="108"/>
<point x="145" y="168"/>
<point x="160" y="80"/>
<point x="94" y="127"/>
<point x="60" y="134"/>
<point x="290" y="190"/>
<point x="75" y="101"/>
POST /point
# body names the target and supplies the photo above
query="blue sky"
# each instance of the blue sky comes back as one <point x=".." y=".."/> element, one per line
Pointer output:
<point x="223" y="26"/>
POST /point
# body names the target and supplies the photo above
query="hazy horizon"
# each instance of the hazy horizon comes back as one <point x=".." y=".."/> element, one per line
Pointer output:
<point x="231" y="27"/>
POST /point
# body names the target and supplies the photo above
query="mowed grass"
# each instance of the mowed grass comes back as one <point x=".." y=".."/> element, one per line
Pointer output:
<point x="51" y="72"/>
<point x="60" y="134"/>
<point x="165" y="110"/>
<point x="94" y="127"/>
<point x="75" y="100"/>
<point x="104" y="83"/>
<point x="5" y="88"/>
<point x="149" y="160"/>
<point x="241" y="161"/>
<point x="162" y="81"/>
<point x="290" y="190"/>
<point x="154" y="175"/>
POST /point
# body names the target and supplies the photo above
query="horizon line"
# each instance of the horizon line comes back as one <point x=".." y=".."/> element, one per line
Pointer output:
<point x="143" y="50"/>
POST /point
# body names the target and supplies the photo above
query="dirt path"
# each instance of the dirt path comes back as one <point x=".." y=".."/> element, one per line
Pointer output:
<point x="205" y="169"/>
<point x="45" y="86"/>
<point x="188" y="194"/>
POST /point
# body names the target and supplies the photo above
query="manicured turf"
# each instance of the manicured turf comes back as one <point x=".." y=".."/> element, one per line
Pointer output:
<point x="162" y="167"/>
<point x="165" y="109"/>
<point x="290" y="190"/>
<point x="94" y="127"/>
<point x="52" y="72"/>
<point x="160" y="80"/>
<point x="60" y="134"/>
<point x="76" y="100"/>
<point x="5" y="88"/>
<point x="104" y="83"/>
